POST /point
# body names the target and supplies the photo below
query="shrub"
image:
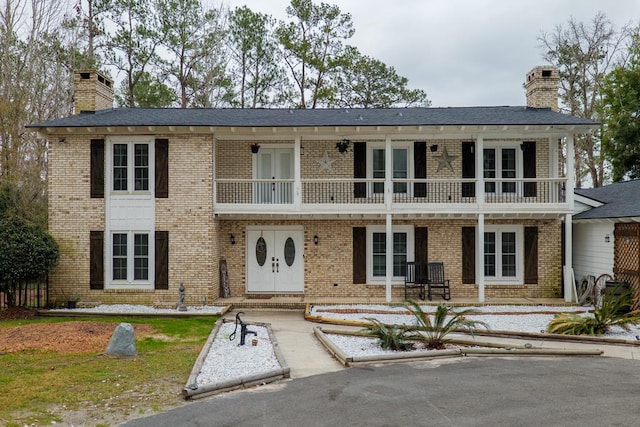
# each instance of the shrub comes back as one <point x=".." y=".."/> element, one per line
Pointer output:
<point x="615" y="310"/>
<point x="392" y="337"/>
<point x="27" y="252"/>
<point x="445" y="321"/>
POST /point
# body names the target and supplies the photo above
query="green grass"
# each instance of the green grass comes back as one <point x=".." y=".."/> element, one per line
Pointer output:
<point x="37" y="387"/>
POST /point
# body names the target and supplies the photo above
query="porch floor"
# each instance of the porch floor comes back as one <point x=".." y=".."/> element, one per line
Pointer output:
<point x="299" y="302"/>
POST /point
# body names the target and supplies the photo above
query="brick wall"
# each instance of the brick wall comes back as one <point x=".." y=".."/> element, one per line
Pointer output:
<point x="187" y="214"/>
<point x="329" y="269"/>
<point x="198" y="240"/>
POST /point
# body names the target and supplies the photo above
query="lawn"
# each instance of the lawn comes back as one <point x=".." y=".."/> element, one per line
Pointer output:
<point x="38" y="387"/>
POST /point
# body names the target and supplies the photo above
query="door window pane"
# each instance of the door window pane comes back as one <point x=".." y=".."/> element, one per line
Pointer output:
<point x="400" y="169"/>
<point x="489" y="165"/>
<point x="261" y="251"/>
<point x="378" y="170"/>
<point x="508" y="169"/>
<point x="289" y="251"/>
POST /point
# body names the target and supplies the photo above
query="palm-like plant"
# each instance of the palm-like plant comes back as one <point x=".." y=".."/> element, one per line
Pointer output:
<point x="393" y="337"/>
<point x="616" y="310"/>
<point x="444" y="322"/>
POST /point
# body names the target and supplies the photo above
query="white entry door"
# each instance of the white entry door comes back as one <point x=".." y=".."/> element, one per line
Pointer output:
<point x="276" y="166"/>
<point x="275" y="261"/>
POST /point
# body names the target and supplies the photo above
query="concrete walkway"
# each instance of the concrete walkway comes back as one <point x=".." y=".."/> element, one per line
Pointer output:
<point x="304" y="354"/>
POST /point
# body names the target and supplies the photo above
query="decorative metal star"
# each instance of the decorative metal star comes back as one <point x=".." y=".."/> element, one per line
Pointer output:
<point x="444" y="160"/>
<point x="325" y="162"/>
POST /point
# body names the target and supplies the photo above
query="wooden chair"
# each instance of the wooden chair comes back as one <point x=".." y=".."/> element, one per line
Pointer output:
<point x="415" y="278"/>
<point x="436" y="280"/>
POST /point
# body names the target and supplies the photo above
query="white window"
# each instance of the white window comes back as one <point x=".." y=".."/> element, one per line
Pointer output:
<point x="501" y="162"/>
<point x="504" y="253"/>
<point x="131" y="167"/>
<point x="130" y="257"/>
<point x="402" y="251"/>
<point x="401" y="164"/>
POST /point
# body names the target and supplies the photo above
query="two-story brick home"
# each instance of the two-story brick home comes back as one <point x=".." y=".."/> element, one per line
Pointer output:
<point x="309" y="203"/>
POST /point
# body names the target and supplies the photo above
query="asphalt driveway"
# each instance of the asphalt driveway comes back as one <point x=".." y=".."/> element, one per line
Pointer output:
<point x="568" y="391"/>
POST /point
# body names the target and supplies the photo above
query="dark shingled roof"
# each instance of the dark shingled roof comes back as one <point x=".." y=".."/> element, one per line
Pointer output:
<point x="221" y="117"/>
<point x="621" y="200"/>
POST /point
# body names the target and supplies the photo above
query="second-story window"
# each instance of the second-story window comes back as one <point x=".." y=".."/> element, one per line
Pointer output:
<point x="500" y="162"/>
<point x="400" y="162"/>
<point x="130" y="167"/>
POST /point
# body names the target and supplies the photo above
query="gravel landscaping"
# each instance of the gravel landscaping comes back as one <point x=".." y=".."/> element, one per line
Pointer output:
<point x="227" y="360"/>
<point x="140" y="309"/>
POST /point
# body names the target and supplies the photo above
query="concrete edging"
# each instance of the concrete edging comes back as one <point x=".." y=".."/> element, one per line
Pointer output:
<point x="191" y="389"/>
<point x="500" y="350"/>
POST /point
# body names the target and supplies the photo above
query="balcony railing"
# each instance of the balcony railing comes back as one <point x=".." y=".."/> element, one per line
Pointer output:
<point x="371" y="191"/>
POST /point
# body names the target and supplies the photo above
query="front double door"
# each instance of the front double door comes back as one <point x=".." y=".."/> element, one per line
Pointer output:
<point x="275" y="262"/>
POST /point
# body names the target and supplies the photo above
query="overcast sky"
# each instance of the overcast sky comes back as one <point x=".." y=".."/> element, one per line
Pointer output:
<point x="461" y="52"/>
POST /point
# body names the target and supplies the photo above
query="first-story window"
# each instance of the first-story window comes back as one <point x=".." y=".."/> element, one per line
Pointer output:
<point x="503" y="253"/>
<point x="377" y="252"/>
<point x="130" y="257"/>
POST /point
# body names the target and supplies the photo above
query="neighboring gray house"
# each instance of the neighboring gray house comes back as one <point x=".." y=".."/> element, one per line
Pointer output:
<point x="606" y="232"/>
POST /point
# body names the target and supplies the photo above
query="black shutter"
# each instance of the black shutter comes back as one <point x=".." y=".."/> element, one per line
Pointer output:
<point x="468" y="255"/>
<point x="96" y="260"/>
<point x="97" y="168"/>
<point x="359" y="255"/>
<point x="529" y="168"/>
<point x="162" y="168"/>
<point x="360" y="168"/>
<point x="531" y="255"/>
<point x="420" y="168"/>
<point x="468" y="168"/>
<point x="162" y="260"/>
<point x="421" y="236"/>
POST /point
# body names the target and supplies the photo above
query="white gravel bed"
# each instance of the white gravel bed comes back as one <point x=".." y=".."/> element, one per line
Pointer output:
<point x="228" y="360"/>
<point x="521" y="322"/>
<point x="140" y="309"/>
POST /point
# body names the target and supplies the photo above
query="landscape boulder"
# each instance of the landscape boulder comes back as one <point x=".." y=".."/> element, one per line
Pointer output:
<point x="123" y="342"/>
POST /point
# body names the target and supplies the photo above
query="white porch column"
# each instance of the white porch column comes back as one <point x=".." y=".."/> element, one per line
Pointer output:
<point x="389" y="257"/>
<point x="480" y="257"/>
<point x="568" y="226"/>
<point x="388" y="174"/>
<point x="480" y="172"/>
<point x="480" y="228"/>
<point x="297" y="181"/>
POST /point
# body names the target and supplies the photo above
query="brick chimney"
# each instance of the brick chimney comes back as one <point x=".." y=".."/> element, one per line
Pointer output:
<point x="93" y="91"/>
<point x="542" y="87"/>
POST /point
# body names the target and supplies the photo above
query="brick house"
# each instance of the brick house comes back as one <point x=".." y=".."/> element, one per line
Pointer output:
<point x="308" y="202"/>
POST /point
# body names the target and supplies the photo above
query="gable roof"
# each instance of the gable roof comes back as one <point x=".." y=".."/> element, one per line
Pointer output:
<point x="620" y="200"/>
<point x="230" y="117"/>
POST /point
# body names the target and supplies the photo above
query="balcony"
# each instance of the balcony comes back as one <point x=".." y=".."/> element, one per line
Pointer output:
<point x="323" y="196"/>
